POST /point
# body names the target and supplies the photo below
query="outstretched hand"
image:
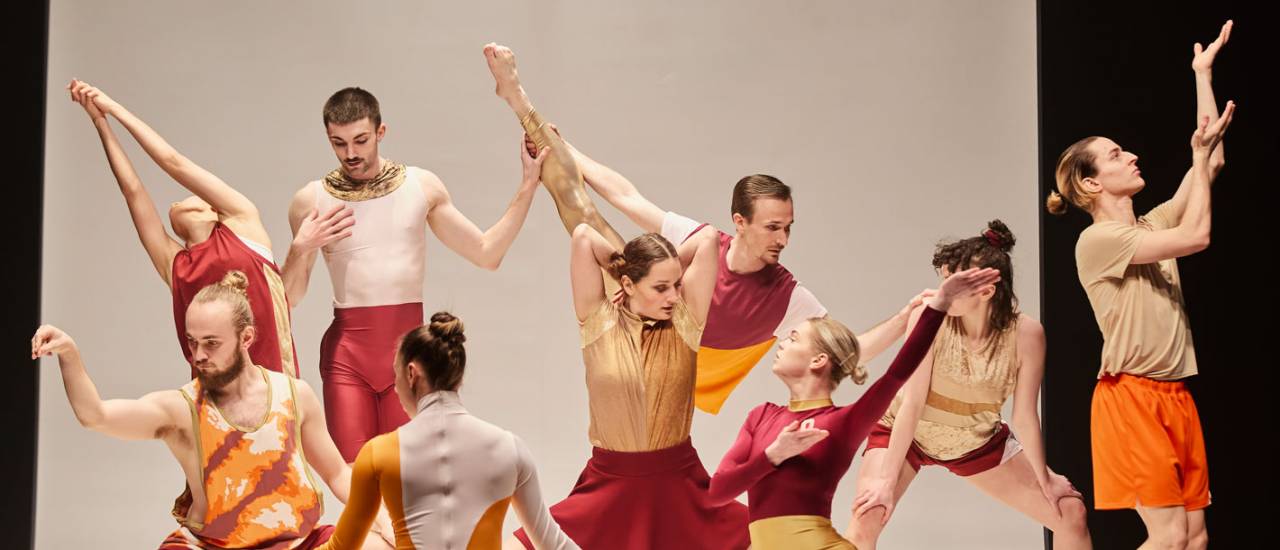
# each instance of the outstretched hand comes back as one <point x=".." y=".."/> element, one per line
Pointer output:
<point x="1202" y="62"/>
<point x="961" y="284"/>
<point x="1207" y="136"/>
<point x="793" y="440"/>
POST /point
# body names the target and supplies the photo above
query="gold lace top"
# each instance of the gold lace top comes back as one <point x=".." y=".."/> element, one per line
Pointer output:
<point x="640" y="377"/>
<point x="341" y="186"/>
<point x="966" y="391"/>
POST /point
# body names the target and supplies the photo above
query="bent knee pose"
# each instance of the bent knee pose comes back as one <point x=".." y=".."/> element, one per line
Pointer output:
<point x="446" y="477"/>
<point x="220" y="231"/>
<point x="1148" y="446"/>
<point x="644" y="486"/>
<point x="377" y="271"/>
<point x="246" y="438"/>
<point x="757" y="300"/>
<point x="949" y="413"/>
<point x="789" y="459"/>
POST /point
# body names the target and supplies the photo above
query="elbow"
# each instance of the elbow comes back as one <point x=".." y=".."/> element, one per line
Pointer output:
<point x="717" y="493"/>
<point x="1200" y="241"/>
<point x="171" y="161"/>
<point x="90" y="421"/>
<point x="490" y="264"/>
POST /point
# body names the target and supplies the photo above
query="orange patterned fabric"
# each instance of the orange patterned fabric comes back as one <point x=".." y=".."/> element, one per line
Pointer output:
<point x="259" y="489"/>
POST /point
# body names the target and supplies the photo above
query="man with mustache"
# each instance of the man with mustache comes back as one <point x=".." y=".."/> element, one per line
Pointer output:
<point x="240" y="433"/>
<point x="377" y="271"/>
<point x="756" y="301"/>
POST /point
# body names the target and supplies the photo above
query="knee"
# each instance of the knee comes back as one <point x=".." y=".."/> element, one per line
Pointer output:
<point x="1171" y="538"/>
<point x="1074" y="516"/>
<point x="865" y="530"/>
<point x="1198" y="540"/>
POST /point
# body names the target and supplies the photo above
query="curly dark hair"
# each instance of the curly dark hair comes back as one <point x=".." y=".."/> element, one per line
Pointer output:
<point x="989" y="249"/>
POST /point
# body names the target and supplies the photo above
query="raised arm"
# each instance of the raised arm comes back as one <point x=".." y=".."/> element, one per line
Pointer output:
<point x="1206" y="106"/>
<point x="237" y="211"/>
<point x="160" y="247"/>
<point x="311" y="231"/>
<point x="589" y="253"/>
<point x="132" y="419"/>
<point x="482" y="248"/>
<point x="560" y="174"/>
<point x="1191" y="234"/>
<point x="618" y="191"/>
<point x="873" y="342"/>
<point x="698" y="283"/>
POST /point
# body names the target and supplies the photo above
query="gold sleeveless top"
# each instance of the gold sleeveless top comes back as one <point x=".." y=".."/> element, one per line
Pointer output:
<point x="640" y="377"/>
<point x="966" y="391"/>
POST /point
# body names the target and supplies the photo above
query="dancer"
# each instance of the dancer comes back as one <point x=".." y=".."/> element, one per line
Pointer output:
<point x="239" y="432"/>
<point x="644" y="486"/>
<point x="377" y="271"/>
<point x="780" y="457"/>
<point x="1148" y="447"/>
<point x="949" y="412"/>
<point x="757" y="300"/>
<point x="447" y="477"/>
<point x="220" y="231"/>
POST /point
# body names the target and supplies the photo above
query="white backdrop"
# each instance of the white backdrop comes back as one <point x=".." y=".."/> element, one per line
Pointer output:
<point x="896" y="123"/>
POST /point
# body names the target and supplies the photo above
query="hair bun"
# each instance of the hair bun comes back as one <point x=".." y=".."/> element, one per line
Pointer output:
<point x="999" y="236"/>
<point x="617" y="265"/>
<point x="447" y="328"/>
<point x="235" y="280"/>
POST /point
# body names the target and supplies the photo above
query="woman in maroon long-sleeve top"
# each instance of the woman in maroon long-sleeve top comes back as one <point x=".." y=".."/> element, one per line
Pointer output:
<point x="790" y="459"/>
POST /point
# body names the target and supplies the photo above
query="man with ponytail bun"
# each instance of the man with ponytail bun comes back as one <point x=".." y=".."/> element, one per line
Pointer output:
<point x="949" y="412"/>
<point x="446" y="476"/>
<point x="1142" y="414"/>
<point x="790" y="459"/>
<point x="239" y="432"/>
<point x="220" y="230"/>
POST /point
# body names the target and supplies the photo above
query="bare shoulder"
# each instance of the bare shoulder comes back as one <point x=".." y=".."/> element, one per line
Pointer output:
<point x="172" y="402"/>
<point x="303" y="200"/>
<point x="708" y="232"/>
<point x="432" y="186"/>
<point x="1029" y="329"/>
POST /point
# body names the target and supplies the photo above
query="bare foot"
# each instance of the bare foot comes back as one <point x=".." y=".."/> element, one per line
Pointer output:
<point x="502" y="63"/>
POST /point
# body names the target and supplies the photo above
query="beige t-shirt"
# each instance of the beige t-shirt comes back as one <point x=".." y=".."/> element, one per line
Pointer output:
<point x="1139" y="308"/>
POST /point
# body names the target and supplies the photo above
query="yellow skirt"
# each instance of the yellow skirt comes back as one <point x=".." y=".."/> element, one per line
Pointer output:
<point x="796" y="533"/>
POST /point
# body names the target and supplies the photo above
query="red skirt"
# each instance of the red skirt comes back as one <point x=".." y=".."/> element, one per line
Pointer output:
<point x="650" y="499"/>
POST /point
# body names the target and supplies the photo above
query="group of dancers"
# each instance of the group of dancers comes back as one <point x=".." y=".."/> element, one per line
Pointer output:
<point x="670" y="321"/>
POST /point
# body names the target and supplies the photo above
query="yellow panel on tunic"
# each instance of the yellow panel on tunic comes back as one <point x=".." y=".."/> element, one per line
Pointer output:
<point x="640" y="377"/>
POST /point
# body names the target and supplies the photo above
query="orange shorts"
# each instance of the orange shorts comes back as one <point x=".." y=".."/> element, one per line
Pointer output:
<point x="1148" y="448"/>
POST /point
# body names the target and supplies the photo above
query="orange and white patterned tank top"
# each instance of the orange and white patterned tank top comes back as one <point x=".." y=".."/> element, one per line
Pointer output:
<point x="259" y="489"/>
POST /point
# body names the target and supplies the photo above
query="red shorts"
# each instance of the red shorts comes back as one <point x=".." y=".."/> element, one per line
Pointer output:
<point x="1148" y="448"/>
<point x="996" y="451"/>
